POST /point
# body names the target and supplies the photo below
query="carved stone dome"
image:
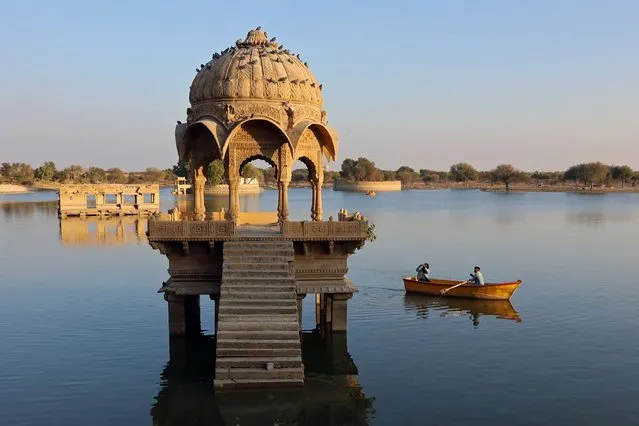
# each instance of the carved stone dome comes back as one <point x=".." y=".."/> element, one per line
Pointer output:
<point x="256" y="69"/>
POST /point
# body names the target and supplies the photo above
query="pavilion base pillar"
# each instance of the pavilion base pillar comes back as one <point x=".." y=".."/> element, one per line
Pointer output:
<point x="184" y="315"/>
<point x="337" y="311"/>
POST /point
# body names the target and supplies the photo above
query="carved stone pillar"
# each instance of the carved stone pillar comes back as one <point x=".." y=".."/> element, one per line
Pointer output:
<point x="316" y="210"/>
<point x="234" y="200"/>
<point x="282" y="210"/>
<point x="199" y="180"/>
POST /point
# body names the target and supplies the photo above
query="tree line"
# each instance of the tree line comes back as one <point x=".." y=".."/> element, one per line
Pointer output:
<point x="586" y="174"/>
<point x="25" y="174"/>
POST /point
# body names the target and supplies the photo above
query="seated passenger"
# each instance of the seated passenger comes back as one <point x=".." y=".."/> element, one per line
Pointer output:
<point x="476" y="277"/>
<point x="423" y="271"/>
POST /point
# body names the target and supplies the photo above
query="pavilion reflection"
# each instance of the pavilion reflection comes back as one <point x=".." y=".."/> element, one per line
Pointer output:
<point x="450" y="306"/>
<point x="96" y="231"/>
<point x="27" y="209"/>
<point x="331" y="395"/>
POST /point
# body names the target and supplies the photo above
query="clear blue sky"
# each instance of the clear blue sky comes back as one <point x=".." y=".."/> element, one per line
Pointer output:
<point x="540" y="84"/>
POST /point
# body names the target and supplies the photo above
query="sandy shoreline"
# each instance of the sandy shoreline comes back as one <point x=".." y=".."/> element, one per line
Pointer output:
<point x="6" y="188"/>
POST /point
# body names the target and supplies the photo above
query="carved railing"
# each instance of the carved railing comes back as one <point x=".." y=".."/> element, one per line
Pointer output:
<point x="328" y="231"/>
<point x="181" y="230"/>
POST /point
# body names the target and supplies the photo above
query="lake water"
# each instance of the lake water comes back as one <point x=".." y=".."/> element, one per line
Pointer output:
<point x="84" y="337"/>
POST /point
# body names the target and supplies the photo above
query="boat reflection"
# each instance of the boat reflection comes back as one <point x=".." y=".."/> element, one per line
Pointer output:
<point x="331" y="395"/>
<point x="96" y="231"/>
<point x="449" y="306"/>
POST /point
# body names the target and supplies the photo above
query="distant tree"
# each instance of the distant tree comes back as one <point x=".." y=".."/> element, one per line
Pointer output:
<point x="361" y="170"/>
<point x="46" y="172"/>
<point x="299" y="175"/>
<point x="270" y="177"/>
<point x="330" y="176"/>
<point x="429" y="176"/>
<point x="74" y="173"/>
<point x="506" y="174"/>
<point x="17" y="172"/>
<point x="621" y="173"/>
<point x="215" y="173"/>
<point x="463" y="172"/>
<point x="348" y="169"/>
<point x="589" y="173"/>
<point x="181" y="169"/>
<point x="152" y="174"/>
<point x="95" y="175"/>
<point x="406" y="175"/>
<point x="251" y="172"/>
<point x="115" y="175"/>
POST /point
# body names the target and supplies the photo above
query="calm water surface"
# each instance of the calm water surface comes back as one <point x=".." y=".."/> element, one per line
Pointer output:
<point x="84" y="333"/>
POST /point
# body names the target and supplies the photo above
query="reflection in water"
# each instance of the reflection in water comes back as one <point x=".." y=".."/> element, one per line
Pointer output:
<point x="112" y="230"/>
<point x="450" y="306"/>
<point x="331" y="395"/>
<point x="24" y="210"/>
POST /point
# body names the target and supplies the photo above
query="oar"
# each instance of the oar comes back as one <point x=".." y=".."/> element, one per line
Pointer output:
<point x="450" y="288"/>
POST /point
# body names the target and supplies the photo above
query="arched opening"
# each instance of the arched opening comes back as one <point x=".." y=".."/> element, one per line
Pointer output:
<point x="258" y="202"/>
<point x="301" y="189"/>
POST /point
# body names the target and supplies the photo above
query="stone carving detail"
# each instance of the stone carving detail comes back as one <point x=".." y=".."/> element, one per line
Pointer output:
<point x="336" y="231"/>
<point x="161" y="230"/>
<point x="229" y="112"/>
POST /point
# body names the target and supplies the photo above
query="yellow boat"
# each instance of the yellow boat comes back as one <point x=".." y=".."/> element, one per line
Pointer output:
<point x="489" y="291"/>
<point x="501" y="309"/>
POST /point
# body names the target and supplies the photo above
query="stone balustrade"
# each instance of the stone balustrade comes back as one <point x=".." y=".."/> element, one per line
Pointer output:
<point x="172" y="227"/>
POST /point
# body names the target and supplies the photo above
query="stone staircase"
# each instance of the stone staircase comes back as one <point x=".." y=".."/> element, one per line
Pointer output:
<point x="258" y="341"/>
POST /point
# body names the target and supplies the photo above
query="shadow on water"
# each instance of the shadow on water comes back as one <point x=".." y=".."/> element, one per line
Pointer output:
<point x="449" y="306"/>
<point x="331" y="394"/>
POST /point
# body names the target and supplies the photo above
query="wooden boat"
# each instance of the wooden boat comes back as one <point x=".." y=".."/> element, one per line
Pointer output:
<point x="501" y="309"/>
<point x="371" y="193"/>
<point x="489" y="291"/>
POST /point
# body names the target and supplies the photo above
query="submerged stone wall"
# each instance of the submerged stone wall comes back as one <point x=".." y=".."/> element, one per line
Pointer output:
<point x="365" y="186"/>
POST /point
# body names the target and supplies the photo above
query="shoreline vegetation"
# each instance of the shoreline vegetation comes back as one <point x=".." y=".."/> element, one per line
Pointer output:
<point x="593" y="178"/>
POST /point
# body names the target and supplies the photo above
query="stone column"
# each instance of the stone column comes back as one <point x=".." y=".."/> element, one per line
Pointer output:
<point x="318" y="198"/>
<point x="339" y="311"/>
<point x="199" y="180"/>
<point x="282" y="211"/>
<point x="184" y="315"/>
<point x="300" y="299"/>
<point x="234" y="200"/>
<point x="313" y="199"/>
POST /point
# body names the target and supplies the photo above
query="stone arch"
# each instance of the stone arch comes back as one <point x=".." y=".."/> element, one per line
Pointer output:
<point x="263" y="131"/>
<point x="327" y="138"/>
<point x="201" y="142"/>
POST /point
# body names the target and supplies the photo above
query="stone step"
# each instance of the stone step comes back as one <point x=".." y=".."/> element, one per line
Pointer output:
<point x="258" y="326"/>
<point x="239" y="292"/>
<point x="257" y="351"/>
<point x="223" y="384"/>
<point x="258" y="362"/>
<point x="259" y="243"/>
<point x="257" y="280"/>
<point x="281" y="301"/>
<point x="259" y="252"/>
<point x="250" y="266"/>
<point x="259" y="373"/>
<point x="255" y="272"/>
<point x="256" y="310"/>
<point x="257" y="259"/>
<point x="259" y="342"/>
<point x="279" y="335"/>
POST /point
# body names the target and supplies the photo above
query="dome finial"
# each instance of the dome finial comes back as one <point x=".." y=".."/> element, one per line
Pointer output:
<point x="256" y="37"/>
